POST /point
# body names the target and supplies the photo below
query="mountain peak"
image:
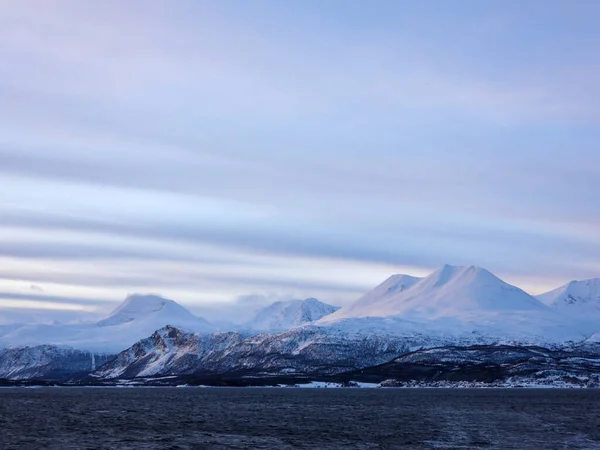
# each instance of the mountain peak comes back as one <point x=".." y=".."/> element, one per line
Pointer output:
<point x="451" y="270"/>
<point x="450" y="291"/>
<point x="139" y="306"/>
<point x="398" y="282"/>
<point x="143" y="303"/>
<point x="448" y="273"/>
<point x="151" y="308"/>
<point x="284" y="315"/>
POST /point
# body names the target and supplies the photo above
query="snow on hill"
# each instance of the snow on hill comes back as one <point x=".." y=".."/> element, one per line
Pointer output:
<point x="456" y="302"/>
<point x="152" y="308"/>
<point x="577" y="297"/>
<point x="451" y="291"/>
<point x="282" y="316"/>
<point x="373" y="303"/>
<point x="136" y="318"/>
<point x="593" y="339"/>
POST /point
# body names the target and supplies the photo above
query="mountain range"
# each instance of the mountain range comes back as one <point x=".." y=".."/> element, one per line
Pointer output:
<point x="454" y="307"/>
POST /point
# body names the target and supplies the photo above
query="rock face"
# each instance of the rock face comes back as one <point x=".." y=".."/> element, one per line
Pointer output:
<point x="48" y="362"/>
<point x="300" y="351"/>
<point x="281" y="316"/>
<point x="169" y="351"/>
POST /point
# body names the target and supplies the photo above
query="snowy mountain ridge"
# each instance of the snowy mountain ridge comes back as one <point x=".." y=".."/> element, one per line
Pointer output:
<point x="170" y="351"/>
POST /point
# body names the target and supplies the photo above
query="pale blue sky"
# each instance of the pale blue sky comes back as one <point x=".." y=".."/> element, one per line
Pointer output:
<point x="227" y="152"/>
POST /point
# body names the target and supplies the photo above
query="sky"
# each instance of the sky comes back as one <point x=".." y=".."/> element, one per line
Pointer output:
<point x="228" y="154"/>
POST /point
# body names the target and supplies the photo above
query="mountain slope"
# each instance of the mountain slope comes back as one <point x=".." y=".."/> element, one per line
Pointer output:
<point x="137" y="317"/>
<point x="168" y="351"/>
<point x="579" y="297"/>
<point x="47" y="362"/>
<point x="282" y="316"/>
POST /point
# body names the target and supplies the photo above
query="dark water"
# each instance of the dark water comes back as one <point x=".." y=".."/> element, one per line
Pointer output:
<point x="198" y="418"/>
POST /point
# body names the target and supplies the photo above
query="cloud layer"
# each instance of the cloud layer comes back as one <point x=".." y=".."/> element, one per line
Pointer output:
<point x="217" y="151"/>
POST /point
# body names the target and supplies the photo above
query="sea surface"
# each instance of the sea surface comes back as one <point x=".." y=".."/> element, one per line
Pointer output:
<point x="290" y="418"/>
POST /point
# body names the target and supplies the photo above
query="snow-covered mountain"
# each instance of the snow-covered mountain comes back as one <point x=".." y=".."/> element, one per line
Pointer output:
<point x="284" y="315"/>
<point x="457" y="302"/>
<point x="152" y="310"/>
<point x="578" y="297"/>
<point x="452" y="291"/>
<point x="137" y="317"/>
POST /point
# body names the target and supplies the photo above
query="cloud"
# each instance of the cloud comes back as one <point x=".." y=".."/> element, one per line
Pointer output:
<point x="211" y="151"/>
<point x="36" y="288"/>
<point x="14" y="302"/>
<point x="416" y="242"/>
